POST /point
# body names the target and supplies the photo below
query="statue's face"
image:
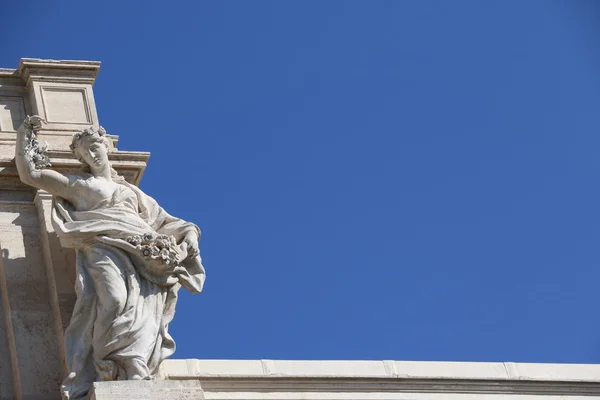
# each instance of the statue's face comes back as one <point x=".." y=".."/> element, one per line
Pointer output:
<point x="93" y="154"/>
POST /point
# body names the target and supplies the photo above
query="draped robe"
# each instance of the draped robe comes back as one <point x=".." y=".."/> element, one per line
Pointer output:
<point x="125" y="296"/>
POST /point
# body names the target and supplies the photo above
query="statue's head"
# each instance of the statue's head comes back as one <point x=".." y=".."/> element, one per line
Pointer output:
<point x="91" y="147"/>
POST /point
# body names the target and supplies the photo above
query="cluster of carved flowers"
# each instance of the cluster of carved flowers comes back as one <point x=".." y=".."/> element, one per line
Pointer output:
<point x="34" y="151"/>
<point x="161" y="247"/>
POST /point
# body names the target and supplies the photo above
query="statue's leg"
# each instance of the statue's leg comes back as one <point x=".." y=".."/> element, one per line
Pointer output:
<point x="109" y="282"/>
<point x="107" y="271"/>
<point x="127" y="322"/>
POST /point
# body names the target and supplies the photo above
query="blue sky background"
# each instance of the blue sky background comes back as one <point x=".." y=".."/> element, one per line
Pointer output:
<point x="412" y="180"/>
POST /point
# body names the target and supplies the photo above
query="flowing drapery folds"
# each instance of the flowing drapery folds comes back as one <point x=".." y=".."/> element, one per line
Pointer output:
<point x="131" y="261"/>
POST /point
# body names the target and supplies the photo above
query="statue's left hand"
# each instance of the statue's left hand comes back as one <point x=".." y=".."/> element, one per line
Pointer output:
<point x="34" y="122"/>
<point x="191" y="240"/>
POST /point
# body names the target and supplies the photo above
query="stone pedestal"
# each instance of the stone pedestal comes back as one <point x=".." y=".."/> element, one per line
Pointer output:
<point x="147" y="390"/>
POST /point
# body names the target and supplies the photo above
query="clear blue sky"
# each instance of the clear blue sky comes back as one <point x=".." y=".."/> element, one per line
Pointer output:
<point x="412" y="180"/>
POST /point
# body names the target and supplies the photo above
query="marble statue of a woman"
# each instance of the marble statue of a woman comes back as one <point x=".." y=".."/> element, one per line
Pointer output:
<point x="132" y="258"/>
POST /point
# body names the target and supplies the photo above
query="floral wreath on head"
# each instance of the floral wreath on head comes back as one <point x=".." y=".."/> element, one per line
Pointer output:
<point x="88" y="132"/>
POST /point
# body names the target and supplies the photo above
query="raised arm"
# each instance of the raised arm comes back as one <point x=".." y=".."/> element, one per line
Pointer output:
<point x="30" y="173"/>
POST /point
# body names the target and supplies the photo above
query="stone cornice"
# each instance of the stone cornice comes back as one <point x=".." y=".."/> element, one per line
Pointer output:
<point x="11" y="80"/>
<point x="259" y="376"/>
<point x="68" y="71"/>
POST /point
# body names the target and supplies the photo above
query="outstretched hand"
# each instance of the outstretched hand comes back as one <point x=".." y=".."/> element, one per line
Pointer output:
<point x="33" y="122"/>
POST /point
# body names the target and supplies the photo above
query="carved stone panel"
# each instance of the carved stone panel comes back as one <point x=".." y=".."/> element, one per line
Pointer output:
<point x="64" y="106"/>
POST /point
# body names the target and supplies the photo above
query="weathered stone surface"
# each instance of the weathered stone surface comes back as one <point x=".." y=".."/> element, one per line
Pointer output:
<point x="146" y="390"/>
<point x="28" y="324"/>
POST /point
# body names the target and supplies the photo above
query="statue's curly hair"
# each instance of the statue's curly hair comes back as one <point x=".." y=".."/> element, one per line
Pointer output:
<point x="93" y="135"/>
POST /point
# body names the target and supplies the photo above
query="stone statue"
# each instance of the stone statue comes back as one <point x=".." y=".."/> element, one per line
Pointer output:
<point x="132" y="258"/>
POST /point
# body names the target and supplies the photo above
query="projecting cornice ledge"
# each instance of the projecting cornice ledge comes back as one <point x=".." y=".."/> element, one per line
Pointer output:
<point x="58" y="70"/>
<point x="359" y="378"/>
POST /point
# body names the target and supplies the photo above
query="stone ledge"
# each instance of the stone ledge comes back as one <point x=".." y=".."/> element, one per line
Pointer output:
<point x="146" y="390"/>
<point x="287" y="379"/>
<point x="193" y="368"/>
